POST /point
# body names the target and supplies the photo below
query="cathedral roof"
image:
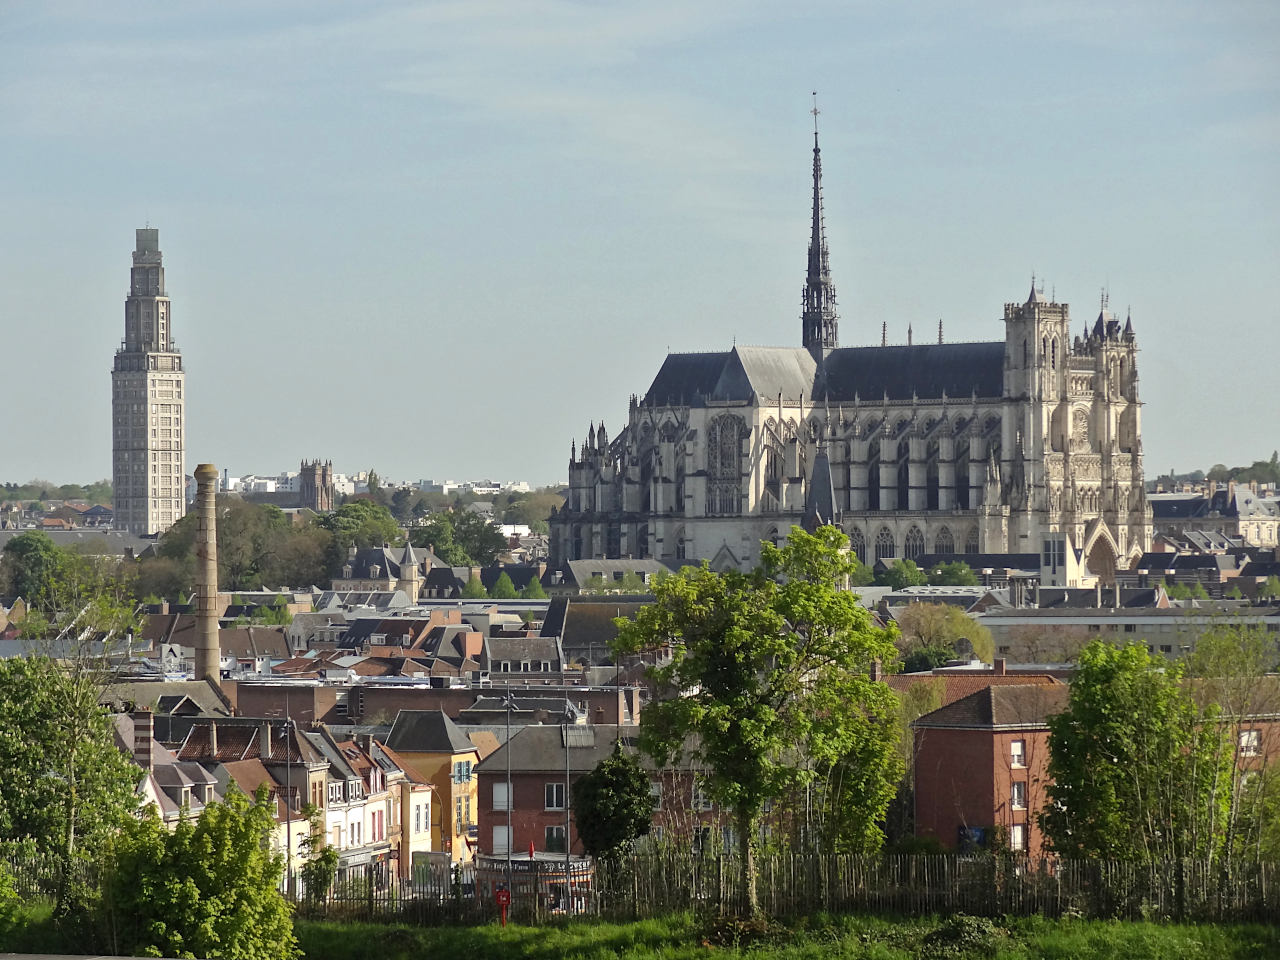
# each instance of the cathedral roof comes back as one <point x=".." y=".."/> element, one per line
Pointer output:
<point x="924" y="370"/>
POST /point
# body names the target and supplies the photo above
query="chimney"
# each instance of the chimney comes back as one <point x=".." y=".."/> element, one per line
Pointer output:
<point x="998" y="665"/>
<point x="876" y="670"/>
<point x="264" y="740"/>
<point x="142" y="736"/>
<point x="213" y="739"/>
<point x="207" y="649"/>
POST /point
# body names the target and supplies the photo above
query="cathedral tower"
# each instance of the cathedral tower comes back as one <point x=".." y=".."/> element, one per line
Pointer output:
<point x="818" y="316"/>
<point x="147" y="402"/>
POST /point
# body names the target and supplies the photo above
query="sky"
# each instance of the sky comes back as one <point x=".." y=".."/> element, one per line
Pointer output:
<point x="438" y="239"/>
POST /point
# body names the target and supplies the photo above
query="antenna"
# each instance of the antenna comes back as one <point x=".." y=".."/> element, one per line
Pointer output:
<point x="815" y="111"/>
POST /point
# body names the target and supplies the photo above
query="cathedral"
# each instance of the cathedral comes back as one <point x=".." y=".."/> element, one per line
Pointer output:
<point x="1007" y="446"/>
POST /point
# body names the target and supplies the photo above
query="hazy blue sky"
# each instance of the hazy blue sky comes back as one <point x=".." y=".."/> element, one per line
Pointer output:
<point x="438" y="238"/>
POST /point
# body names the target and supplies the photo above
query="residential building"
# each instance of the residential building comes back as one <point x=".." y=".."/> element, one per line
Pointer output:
<point x="148" y="402"/>
<point x="438" y="751"/>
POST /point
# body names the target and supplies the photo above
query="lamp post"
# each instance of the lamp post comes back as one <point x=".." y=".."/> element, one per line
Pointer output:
<point x="568" y="888"/>
<point x="510" y="838"/>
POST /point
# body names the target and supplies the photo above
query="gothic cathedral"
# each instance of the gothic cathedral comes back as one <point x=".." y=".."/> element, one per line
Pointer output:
<point x="919" y="449"/>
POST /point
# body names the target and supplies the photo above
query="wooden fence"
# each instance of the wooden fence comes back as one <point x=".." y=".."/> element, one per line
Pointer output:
<point x="788" y="885"/>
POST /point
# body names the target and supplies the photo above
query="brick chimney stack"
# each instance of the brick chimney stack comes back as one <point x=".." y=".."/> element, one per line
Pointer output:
<point x="208" y="652"/>
<point x="143" y="732"/>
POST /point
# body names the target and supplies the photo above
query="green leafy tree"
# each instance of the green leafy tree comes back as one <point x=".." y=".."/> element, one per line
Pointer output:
<point x="768" y="686"/>
<point x="321" y="868"/>
<point x="67" y="786"/>
<point x="503" y="588"/>
<point x="954" y="574"/>
<point x="31" y="564"/>
<point x="901" y="574"/>
<point x="482" y="541"/>
<point x="925" y="658"/>
<point x="612" y="805"/>
<point x="1233" y="668"/>
<point x="533" y="590"/>
<point x="358" y="523"/>
<point x="436" y="532"/>
<point x="1136" y="771"/>
<point x="208" y="889"/>
<point x="943" y="627"/>
<point x="1271" y="589"/>
<point x="474" y="589"/>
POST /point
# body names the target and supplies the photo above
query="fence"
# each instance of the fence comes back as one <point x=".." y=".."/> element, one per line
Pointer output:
<point x="788" y="885"/>
<point x="653" y="884"/>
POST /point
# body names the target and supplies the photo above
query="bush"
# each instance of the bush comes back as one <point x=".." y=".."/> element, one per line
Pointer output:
<point x="962" y="935"/>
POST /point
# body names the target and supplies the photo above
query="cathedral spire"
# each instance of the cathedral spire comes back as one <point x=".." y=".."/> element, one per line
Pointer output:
<point x="819" y="320"/>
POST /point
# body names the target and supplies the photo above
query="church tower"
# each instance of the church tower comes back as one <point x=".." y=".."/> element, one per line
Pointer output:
<point x="818" y="316"/>
<point x="147" y="402"/>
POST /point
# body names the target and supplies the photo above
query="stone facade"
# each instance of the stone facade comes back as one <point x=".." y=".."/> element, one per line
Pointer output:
<point x="931" y="448"/>
<point x="148" y="403"/>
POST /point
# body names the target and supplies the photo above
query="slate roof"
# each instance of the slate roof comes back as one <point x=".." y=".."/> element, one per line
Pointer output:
<point x="254" y="642"/>
<point x="927" y="371"/>
<point x="686" y="379"/>
<point x="150" y="694"/>
<point x="524" y="648"/>
<point x="1013" y="705"/>
<point x="538" y="748"/>
<point x="1177" y="506"/>
<point x="957" y="686"/>
<point x="92" y="540"/>
<point x="427" y="731"/>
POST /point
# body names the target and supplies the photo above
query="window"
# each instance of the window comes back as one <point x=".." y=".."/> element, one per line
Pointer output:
<point x="462" y="771"/>
<point x="655" y="794"/>
<point x="417" y="818"/>
<point x="1018" y="837"/>
<point x="1018" y="795"/>
<point x="501" y="839"/>
<point x="1018" y="753"/>
<point x="700" y="800"/>
<point x="553" y="840"/>
<point x="555" y="796"/>
<point x="501" y="798"/>
<point x="1250" y="743"/>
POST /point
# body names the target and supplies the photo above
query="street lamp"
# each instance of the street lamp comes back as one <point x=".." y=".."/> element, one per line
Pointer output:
<point x="510" y="838"/>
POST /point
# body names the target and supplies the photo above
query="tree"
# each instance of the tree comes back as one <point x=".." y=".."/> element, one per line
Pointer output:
<point x="1271" y="589"/>
<point x="503" y="588"/>
<point x="533" y="590"/>
<point x="903" y="574"/>
<point x="31" y="564"/>
<point x="209" y="888"/>
<point x="359" y="523"/>
<point x="768" y="685"/>
<point x="67" y="786"/>
<point x="954" y="574"/>
<point x="482" y="541"/>
<point x="474" y="589"/>
<point x="1137" y="771"/>
<point x="1233" y="666"/>
<point x="943" y="627"/>
<point x="612" y="805"/>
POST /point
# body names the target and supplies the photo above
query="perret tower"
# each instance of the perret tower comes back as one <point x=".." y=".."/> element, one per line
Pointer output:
<point x="819" y="320"/>
<point x="147" y="402"/>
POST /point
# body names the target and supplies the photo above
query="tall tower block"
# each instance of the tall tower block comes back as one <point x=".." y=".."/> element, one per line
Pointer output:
<point x="147" y="402"/>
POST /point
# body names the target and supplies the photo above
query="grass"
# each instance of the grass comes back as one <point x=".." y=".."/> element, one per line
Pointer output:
<point x="681" y="937"/>
<point x="856" y="938"/>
